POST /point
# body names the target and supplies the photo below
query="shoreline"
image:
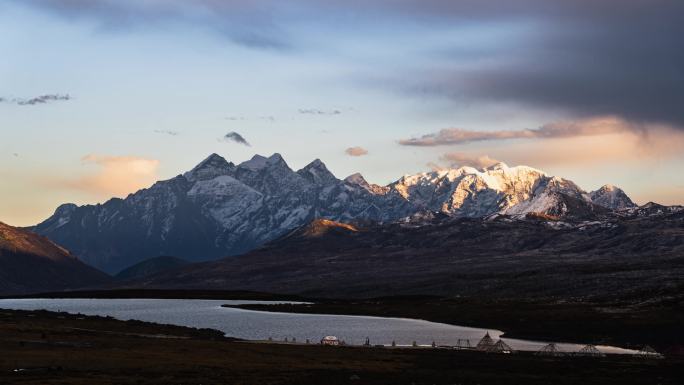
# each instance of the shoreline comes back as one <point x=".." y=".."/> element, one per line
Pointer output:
<point x="622" y="325"/>
<point x="49" y="347"/>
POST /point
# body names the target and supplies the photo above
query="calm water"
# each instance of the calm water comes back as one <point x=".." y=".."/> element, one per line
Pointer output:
<point x="255" y="325"/>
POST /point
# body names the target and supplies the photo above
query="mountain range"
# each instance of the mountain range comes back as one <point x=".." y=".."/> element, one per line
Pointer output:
<point x="219" y="209"/>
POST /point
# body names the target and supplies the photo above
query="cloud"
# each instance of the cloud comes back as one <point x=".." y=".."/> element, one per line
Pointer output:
<point x="582" y="58"/>
<point x="356" y="151"/>
<point x="166" y="132"/>
<point x="249" y="24"/>
<point x="579" y="58"/>
<point x="41" y="99"/>
<point x="113" y="175"/>
<point x="457" y="159"/>
<point x="313" y="111"/>
<point x="235" y="137"/>
<point x="622" y="149"/>
<point x="565" y="129"/>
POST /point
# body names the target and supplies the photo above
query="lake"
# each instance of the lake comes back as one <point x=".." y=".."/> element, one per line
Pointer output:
<point x="257" y="325"/>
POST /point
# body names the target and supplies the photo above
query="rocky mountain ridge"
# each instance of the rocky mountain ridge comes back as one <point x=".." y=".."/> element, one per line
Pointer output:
<point x="219" y="208"/>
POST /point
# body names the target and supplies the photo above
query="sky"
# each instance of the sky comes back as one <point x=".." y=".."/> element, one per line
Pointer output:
<point x="99" y="98"/>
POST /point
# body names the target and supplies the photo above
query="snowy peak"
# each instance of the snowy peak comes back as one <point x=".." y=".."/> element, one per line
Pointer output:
<point x="260" y="162"/>
<point x="219" y="209"/>
<point x="211" y="167"/>
<point x="611" y="197"/>
<point x="256" y="163"/>
<point x="317" y="173"/>
<point x="276" y="160"/>
<point x="356" y="179"/>
<point x="497" y="166"/>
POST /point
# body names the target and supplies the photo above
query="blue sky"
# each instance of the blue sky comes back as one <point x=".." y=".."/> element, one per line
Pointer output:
<point x="153" y="85"/>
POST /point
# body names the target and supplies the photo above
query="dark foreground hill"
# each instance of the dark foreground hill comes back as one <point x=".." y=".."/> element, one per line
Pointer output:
<point x="31" y="263"/>
<point x="150" y="266"/>
<point x="58" y="348"/>
<point x="634" y="257"/>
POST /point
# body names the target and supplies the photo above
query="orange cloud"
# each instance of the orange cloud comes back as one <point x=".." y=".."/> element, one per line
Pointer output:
<point x="356" y="151"/>
<point x="621" y="147"/>
<point x="583" y="142"/>
<point x="114" y="175"/>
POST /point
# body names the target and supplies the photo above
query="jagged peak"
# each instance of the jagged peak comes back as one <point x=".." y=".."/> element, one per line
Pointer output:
<point x="214" y="165"/>
<point x="650" y="205"/>
<point x="275" y="158"/>
<point x="317" y="172"/>
<point x="65" y="208"/>
<point x="213" y="159"/>
<point x="607" y="188"/>
<point x="255" y="163"/>
<point x="612" y="197"/>
<point x="357" y="179"/>
<point x="260" y="162"/>
<point x="316" y="164"/>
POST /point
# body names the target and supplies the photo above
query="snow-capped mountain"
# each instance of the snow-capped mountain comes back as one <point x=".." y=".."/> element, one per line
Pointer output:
<point x="219" y="208"/>
<point x="611" y="197"/>
<point x="469" y="192"/>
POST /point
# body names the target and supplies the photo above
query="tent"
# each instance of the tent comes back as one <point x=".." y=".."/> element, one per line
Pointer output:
<point x="500" y="347"/>
<point x="590" y="350"/>
<point x="550" y="350"/>
<point x="648" y="352"/>
<point x="485" y="343"/>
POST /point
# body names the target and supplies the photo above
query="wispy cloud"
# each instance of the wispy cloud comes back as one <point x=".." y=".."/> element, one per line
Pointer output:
<point x="235" y="137"/>
<point x="41" y="99"/>
<point x="314" y="111"/>
<point x="356" y="151"/>
<point x="589" y="127"/>
<point x="113" y="176"/>
<point x="167" y="132"/>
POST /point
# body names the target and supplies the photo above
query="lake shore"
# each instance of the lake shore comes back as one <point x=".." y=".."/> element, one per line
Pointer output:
<point x="620" y="325"/>
<point x="50" y="347"/>
<point x="623" y="324"/>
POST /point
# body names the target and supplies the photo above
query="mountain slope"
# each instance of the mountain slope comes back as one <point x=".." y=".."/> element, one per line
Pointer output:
<point x="635" y="257"/>
<point x="30" y="263"/>
<point x="149" y="267"/>
<point x="219" y="209"/>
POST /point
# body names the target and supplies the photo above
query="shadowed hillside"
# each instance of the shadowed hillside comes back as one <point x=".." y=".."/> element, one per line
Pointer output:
<point x="31" y="263"/>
